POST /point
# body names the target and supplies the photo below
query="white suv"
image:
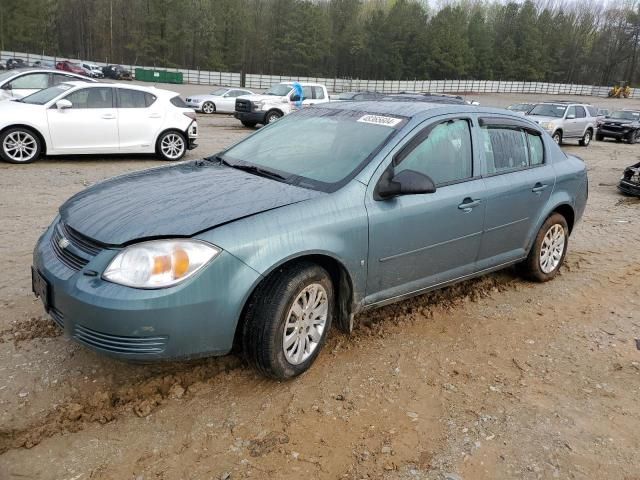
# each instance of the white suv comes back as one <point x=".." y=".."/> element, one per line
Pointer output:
<point x="96" y="118"/>
<point x="281" y="99"/>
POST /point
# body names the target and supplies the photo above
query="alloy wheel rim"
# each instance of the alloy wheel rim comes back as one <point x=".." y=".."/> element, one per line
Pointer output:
<point x="273" y="117"/>
<point x="556" y="138"/>
<point x="305" y="324"/>
<point x="20" y="146"/>
<point x="208" y="108"/>
<point x="172" y="145"/>
<point x="552" y="248"/>
<point x="587" y="138"/>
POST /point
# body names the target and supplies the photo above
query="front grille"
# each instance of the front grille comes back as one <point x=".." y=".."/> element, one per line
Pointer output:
<point x="243" y="105"/>
<point x="84" y="248"/>
<point x="119" y="344"/>
<point x="188" y="99"/>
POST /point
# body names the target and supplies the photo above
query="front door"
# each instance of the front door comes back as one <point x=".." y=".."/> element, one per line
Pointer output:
<point x="27" y="84"/>
<point x="519" y="182"/>
<point x="420" y="241"/>
<point x="89" y="126"/>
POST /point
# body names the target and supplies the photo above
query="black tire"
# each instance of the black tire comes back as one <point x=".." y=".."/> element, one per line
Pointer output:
<point x="266" y="315"/>
<point x="162" y="152"/>
<point x="633" y="137"/>
<point x="249" y="124"/>
<point x="557" y="137"/>
<point x="272" y="116"/>
<point x="599" y="138"/>
<point x="208" y="107"/>
<point x="586" y="138"/>
<point x="531" y="267"/>
<point x="28" y="136"/>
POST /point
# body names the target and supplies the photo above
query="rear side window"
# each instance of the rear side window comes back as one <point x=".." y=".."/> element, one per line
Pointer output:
<point x="91" y="98"/>
<point x="318" y="93"/>
<point x="178" y="102"/>
<point x="580" y="113"/>
<point x="593" y="112"/>
<point x="445" y="154"/>
<point x="509" y="149"/>
<point x="134" y="98"/>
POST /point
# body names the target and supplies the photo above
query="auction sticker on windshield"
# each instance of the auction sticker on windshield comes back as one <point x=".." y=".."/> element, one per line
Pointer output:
<point x="380" y="120"/>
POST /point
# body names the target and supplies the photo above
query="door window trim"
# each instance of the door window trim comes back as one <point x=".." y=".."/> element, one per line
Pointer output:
<point x="113" y="98"/>
<point x="423" y="134"/>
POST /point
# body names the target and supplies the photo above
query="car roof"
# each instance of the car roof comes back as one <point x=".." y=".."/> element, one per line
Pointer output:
<point x="153" y="90"/>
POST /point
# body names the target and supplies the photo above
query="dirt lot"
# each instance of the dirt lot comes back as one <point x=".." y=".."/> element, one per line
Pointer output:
<point x="494" y="378"/>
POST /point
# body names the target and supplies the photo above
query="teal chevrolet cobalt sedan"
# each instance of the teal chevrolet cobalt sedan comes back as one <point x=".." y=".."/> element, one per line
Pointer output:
<point x="300" y="226"/>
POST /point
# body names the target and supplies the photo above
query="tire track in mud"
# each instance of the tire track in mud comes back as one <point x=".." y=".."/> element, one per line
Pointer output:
<point x="143" y="397"/>
<point x="30" y="329"/>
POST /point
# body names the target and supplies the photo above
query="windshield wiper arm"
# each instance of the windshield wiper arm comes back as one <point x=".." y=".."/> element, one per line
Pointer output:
<point x="247" y="168"/>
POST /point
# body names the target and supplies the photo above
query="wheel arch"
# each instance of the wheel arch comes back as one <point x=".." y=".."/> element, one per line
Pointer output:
<point x="273" y="109"/>
<point x="184" y="133"/>
<point x="33" y="129"/>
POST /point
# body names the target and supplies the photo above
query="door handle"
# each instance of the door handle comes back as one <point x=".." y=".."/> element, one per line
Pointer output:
<point x="108" y="116"/>
<point x="468" y="204"/>
<point x="155" y="115"/>
<point x="539" y="187"/>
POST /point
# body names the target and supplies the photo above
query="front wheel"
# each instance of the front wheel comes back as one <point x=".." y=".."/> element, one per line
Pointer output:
<point x="171" y="145"/>
<point x="272" y="116"/>
<point x="208" y="108"/>
<point x="586" y="139"/>
<point x="557" y="137"/>
<point x="548" y="251"/>
<point x="19" y="145"/>
<point x="633" y="137"/>
<point x="287" y="320"/>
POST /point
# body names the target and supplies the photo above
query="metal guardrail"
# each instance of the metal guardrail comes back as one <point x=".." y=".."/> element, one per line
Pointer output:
<point x="338" y="85"/>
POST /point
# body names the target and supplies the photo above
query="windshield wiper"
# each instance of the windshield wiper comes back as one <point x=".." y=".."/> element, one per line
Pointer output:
<point x="248" y="168"/>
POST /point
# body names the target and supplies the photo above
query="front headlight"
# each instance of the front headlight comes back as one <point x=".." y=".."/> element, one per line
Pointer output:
<point x="546" y="125"/>
<point x="257" y="105"/>
<point x="159" y="263"/>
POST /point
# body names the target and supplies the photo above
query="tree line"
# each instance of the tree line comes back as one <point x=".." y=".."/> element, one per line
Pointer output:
<point x="546" y="40"/>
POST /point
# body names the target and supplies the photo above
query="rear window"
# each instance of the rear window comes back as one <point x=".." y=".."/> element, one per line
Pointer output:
<point x="178" y="102"/>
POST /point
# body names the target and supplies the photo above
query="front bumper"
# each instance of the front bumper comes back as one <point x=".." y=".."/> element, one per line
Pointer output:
<point x="250" y="117"/>
<point x="196" y="106"/>
<point x="192" y="319"/>
<point x="192" y="135"/>
<point x="614" y="133"/>
<point x="629" y="188"/>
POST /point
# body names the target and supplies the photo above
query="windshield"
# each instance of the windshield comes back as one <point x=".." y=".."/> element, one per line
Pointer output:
<point x="548" y="110"/>
<point x="219" y="92"/>
<point x="625" y="115"/>
<point x="347" y="96"/>
<point x="317" y="148"/>
<point x="279" y="90"/>
<point x="46" y="95"/>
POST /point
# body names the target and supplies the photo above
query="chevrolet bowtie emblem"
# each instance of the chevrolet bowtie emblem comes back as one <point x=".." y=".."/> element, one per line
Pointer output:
<point x="63" y="243"/>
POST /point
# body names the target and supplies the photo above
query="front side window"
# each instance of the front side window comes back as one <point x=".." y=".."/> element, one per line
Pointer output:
<point x="316" y="148"/>
<point x="571" y="112"/>
<point x="318" y="93"/>
<point x="91" y="98"/>
<point x="131" y="99"/>
<point x="34" y="81"/>
<point x="445" y="154"/>
<point x="509" y="149"/>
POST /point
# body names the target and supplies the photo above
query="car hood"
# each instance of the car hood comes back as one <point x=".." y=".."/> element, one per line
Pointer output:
<point x="13" y="111"/>
<point x="179" y="200"/>
<point x="257" y="97"/>
<point x="202" y="97"/>
<point x="540" y="119"/>
<point x="617" y="121"/>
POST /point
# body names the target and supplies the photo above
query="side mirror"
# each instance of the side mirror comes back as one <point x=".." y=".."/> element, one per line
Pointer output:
<point x="7" y="86"/>
<point x="64" y="104"/>
<point x="407" y="182"/>
<point x="296" y="98"/>
<point x="571" y="117"/>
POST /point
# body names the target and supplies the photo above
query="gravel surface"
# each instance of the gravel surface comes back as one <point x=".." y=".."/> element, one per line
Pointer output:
<point x="493" y="378"/>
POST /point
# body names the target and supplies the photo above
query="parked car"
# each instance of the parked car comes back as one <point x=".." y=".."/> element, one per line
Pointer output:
<point x="72" y="67"/>
<point x="279" y="100"/>
<point x="630" y="181"/>
<point x="621" y="125"/>
<point x="220" y="100"/>
<point x="117" y="72"/>
<point x="326" y="213"/>
<point x="521" y="108"/>
<point x="357" y="96"/>
<point x="21" y="82"/>
<point x="44" y="64"/>
<point x="565" y="120"/>
<point x="16" y="63"/>
<point x="90" y="118"/>
<point x="422" y="97"/>
<point x="94" y="71"/>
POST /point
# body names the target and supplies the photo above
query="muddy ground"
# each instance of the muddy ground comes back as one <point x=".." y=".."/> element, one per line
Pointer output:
<point x="496" y="378"/>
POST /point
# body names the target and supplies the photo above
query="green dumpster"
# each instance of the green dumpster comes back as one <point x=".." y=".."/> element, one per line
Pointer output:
<point x="160" y="76"/>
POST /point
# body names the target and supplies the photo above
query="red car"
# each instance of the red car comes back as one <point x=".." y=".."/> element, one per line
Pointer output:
<point x="71" y="67"/>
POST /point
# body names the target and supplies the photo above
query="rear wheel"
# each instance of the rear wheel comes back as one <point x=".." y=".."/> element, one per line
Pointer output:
<point x="548" y="251"/>
<point x="208" y="107"/>
<point x="287" y="320"/>
<point x="586" y="138"/>
<point x="557" y="137"/>
<point x="19" y="145"/>
<point x="171" y="145"/>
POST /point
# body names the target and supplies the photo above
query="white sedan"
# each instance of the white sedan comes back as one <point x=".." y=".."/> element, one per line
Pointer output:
<point x="96" y="118"/>
<point x="21" y="82"/>
<point x="220" y="100"/>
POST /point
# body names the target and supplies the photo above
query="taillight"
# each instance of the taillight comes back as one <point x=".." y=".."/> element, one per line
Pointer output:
<point x="191" y="115"/>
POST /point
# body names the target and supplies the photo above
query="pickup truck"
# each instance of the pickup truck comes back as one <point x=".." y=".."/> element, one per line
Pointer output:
<point x="279" y="100"/>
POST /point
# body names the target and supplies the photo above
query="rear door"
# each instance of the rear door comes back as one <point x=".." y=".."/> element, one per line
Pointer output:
<point x="519" y="181"/>
<point x="90" y="126"/>
<point x="140" y="117"/>
<point x="581" y="120"/>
